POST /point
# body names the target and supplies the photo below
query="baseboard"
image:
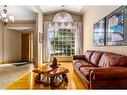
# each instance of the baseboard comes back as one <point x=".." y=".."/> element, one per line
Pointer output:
<point x="62" y="58"/>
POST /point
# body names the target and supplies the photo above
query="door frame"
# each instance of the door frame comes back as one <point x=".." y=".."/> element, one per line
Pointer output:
<point x="30" y="45"/>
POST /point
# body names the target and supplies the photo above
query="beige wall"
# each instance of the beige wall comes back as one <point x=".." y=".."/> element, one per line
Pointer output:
<point x="91" y="16"/>
<point x="12" y="45"/>
<point x="37" y="58"/>
<point x="9" y="45"/>
<point x="31" y="24"/>
<point x="40" y="30"/>
<point x="11" y="48"/>
<point x="1" y="48"/>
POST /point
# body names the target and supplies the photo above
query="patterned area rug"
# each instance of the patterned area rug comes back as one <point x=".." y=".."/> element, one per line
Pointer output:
<point x="10" y="73"/>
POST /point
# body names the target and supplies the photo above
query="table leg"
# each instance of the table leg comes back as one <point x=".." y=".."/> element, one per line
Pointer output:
<point x="38" y="78"/>
<point x="65" y="77"/>
<point x="52" y="83"/>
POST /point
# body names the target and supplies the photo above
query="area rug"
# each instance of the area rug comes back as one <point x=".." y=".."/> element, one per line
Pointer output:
<point x="20" y="63"/>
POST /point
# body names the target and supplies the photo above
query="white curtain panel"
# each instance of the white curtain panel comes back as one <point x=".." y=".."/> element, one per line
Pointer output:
<point x="46" y="55"/>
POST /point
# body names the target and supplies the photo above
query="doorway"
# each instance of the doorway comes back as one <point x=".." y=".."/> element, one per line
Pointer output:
<point x="27" y="47"/>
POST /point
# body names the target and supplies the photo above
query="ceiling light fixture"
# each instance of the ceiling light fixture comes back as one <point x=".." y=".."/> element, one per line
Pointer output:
<point x="62" y="7"/>
<point x="4" y="16"/>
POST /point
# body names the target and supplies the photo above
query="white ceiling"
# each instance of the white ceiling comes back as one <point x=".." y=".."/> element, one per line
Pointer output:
<point x="21" y="12"/>
<point x="56" y="8"/>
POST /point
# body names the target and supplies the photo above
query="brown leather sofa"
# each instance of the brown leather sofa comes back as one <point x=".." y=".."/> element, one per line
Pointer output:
<point x="101" y="70"/>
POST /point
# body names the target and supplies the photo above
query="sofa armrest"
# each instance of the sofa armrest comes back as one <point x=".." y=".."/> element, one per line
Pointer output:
<point x="79" y="57"/>
<point x="108" y="73"/>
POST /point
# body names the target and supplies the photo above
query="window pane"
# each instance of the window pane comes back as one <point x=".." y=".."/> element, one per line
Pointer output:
<point x="62" y="42"/>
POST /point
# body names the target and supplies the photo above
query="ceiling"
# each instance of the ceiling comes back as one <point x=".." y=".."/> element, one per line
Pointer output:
<point x="21" y="12"/>
<point x="60" y="7"/>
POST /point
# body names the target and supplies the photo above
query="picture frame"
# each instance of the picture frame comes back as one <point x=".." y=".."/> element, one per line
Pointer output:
<point x="125" y="25"/>
<point x="99" y="32"/>
<point x="115" y="28"/>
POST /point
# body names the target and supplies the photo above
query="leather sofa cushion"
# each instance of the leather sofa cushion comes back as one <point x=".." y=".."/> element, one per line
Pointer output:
<point x="82" y="63"/>
<point x="78" y="57"/>
<point x="123" y="61"/>
<point x="109" y="60"/>
<point x="75" y="61"/>
<point x="86" y="71"/>
<point x="109" y="73"/>
<point x="88" y="54"/>
<point x="96" y="57"/>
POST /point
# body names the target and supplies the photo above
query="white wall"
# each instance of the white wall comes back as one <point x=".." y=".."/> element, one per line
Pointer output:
<point x="91" y="16"/>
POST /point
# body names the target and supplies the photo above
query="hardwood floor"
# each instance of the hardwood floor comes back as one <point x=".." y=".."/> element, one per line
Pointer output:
<point x="10" y="73"/>
<point x="27" y="81"/>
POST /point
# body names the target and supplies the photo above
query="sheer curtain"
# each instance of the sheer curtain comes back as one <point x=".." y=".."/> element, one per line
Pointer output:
<point x="78" y="38"/>
<point x="46" y="55"/>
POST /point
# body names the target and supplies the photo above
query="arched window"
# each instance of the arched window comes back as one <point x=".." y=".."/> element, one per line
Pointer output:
<point x="62" y="35"/>
<point x="62" y="17"/>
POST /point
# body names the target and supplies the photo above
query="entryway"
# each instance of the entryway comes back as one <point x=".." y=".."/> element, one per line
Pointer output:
<point x="27" y="46"/>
